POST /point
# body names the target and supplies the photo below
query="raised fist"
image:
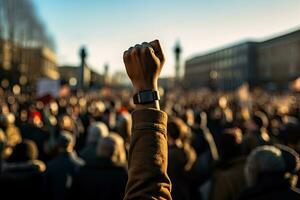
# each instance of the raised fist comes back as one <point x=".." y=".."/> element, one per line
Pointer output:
<point x="143" y="65"/>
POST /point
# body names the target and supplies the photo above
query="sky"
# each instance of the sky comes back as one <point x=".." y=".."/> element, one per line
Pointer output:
<point x="108" y="27"/>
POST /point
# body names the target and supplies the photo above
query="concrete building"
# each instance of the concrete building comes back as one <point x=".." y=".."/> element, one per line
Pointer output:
<point x="167" y="82"/>
<point x="271" y="64"/>
<point x="71" y="74"/>
<point x="23" y="66"/>
<point x="5" y="55"/>
<point x="278" y="61"/>
<point x="97" y="79"/>
<point x="38" y="63"/>
<point x="225" y="69"/>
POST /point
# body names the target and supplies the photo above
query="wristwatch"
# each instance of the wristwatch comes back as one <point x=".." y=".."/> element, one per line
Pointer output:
<point x="146" y="96"/>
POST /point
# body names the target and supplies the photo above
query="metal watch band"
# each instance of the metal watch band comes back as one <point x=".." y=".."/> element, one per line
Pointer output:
<point x="146" y="96"/>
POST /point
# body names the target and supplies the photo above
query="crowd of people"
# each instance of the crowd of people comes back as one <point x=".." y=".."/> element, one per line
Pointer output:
<point x="221" y="145"/>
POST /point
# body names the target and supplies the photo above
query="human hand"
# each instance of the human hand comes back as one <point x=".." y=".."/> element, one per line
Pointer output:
<point x="143" y="65"/>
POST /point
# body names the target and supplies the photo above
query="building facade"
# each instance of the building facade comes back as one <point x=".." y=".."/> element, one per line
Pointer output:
<point x="25" y="66"/>
<point x="224" y="69"/>
<point x="38" y="63"/>
<point x="279" y="61"/>
<point x="71" y="75"/>
<point x="271" y="64"/>
<point x="5" y="55"/>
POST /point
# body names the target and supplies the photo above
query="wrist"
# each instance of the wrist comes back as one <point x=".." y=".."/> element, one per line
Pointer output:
<point x="139" y="88"/>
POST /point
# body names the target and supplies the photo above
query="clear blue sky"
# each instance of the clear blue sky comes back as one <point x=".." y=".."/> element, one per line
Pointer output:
<point x="108" y="27"/>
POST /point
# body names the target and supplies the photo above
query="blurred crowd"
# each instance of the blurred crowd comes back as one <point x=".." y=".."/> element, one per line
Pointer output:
<point x="221" y="145"/>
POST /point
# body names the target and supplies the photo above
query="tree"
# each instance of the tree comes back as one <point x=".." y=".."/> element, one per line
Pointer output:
<point x="20" y="25"/>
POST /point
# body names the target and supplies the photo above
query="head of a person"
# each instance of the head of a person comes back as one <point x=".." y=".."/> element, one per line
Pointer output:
<point x="24" y="151"/>
<point x="264" y="161"/>
<point x="112" y="147"/>
<point x="65" y="142"/>
<point x="289" y="134"/>
<point x="96" y="131"/>
<point x="177" y="130"/>
<point x="2" y="142"/>
<point x="66" y="123"/>
<point x="259" y="120"/>
<point x="189" y="117"/>
<point x="7" y="120"/>
<point x="292" y="163"/>
<point x="54" y="108"/>
<point x="124" y="124"/>
<point x="35" y="118"/>
<point x="230" y="143"/>
<point x="96" y="109"/>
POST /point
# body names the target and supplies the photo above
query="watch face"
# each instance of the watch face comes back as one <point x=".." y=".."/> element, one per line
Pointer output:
<point x="145" y="97"/>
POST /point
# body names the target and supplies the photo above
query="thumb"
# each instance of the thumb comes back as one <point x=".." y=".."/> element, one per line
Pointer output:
<point x="158" y="50"/>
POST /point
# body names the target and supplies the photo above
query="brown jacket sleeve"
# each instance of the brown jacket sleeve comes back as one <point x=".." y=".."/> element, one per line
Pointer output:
<point x="148" y="157"/>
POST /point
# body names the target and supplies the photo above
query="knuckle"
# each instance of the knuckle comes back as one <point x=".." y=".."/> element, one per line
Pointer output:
<point x="146" y="50"/>
<point x="134" y="51"/>
<point x="129" y="50"/>
<point x="125" y="54"/>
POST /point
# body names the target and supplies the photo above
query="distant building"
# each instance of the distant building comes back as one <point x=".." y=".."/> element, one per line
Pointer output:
<point x="271" y="64"/>
<point x="23" y="66"/>
<point x="5" y="55"/>
<point x="38" y="63"/>
<point x="71" y="74"/>
<point x="278" y="61"/>
<point x="120" y="78"/>
<point x="97" y="79"/>
<point x="166" y="82"/>
<point x="225" y="68"/>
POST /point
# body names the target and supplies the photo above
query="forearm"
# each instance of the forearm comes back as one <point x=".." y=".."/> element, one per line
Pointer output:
<point x="148" y="153"/>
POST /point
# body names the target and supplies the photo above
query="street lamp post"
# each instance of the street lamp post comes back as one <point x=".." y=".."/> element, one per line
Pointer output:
<point x="177" y="52"/>
<point x="83" y="55"/>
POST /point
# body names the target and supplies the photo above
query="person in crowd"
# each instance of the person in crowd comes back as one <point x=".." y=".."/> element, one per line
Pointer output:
<point x="265" y="169"/>
<point x="33" y="131"/>
<point x="292" y="164"/>
<point x="96" y="131"/>
<point x="228" y="179"/>
<point x="256" y="132"/>
<point x="120" y="155"/>
<point x="123" y="127"/>
<point x="60" y="171"/>
<point x="2" y="147"/>
<point x="105" y="176"/>
<point x="181" y="159"/>
<point x="22" y="173"/>
<point x="289" y="134"/>
<point x="12" y="133"/>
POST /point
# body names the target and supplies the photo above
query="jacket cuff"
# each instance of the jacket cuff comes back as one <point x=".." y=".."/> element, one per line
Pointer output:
<point x="149" y="115"/>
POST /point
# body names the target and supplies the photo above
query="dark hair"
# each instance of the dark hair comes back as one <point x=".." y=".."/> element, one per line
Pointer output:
<point x="260" y="119"/>
<point x="230" y="143"/>
<point x="25" y="151"/>
<point x="289" y="133"/>
<point x="173" y="130"/>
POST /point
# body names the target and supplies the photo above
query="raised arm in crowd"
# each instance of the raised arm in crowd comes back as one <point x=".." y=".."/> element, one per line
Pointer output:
<point x="148" y="154"/>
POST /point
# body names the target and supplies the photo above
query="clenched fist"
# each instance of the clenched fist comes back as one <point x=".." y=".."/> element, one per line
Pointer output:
<point x="143" y="64"/>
